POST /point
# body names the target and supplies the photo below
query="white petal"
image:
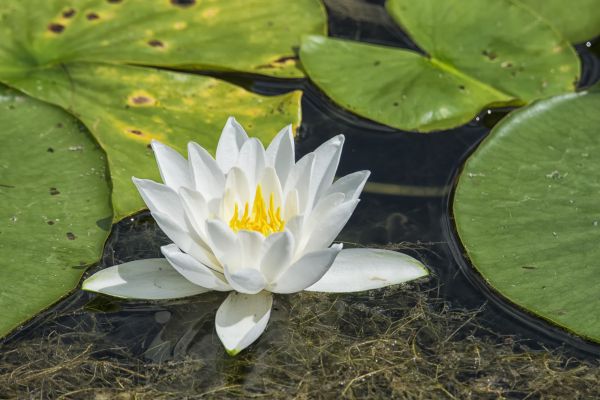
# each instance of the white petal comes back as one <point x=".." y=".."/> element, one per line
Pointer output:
<point x="252" y="160"/>
<point x="277" y="254"/>
<point x="246" y="280"/>
<point x="151" y="279"/>
<point x="250" y="244"/>
<point x="270" y="184"/>
<point x="160" y="198"/>
<point x="223" y="242"/>
<point x="193" y="270"/>
<point x="295" y="227"/>
<point x="172" y="166"/>
<point x="306" y="271"/>
<point x="300" y="178"/>
<point x="207" y="176"/>
<point x="327" y="227"/>
<point x="231" y="141"/>
<point x="351" y="185"/>
<point x="292" y="205"/>
<point x="327" y="159"/>
<point x="356" y="270"/>
<point x="196" y="208"/>
<point x="241" y="319"/>
<point x="237" y="190"/>
<point x="280" y="153"/>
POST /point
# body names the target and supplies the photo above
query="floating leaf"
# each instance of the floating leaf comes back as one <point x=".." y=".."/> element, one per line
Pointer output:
<point x="257" y="36"/>
<point x="126" y="107"/>
<point x="527" y="209"/>
<point x="479" y="54"/>
<point x="577" y="20"/>
<point x="55" y="200"/>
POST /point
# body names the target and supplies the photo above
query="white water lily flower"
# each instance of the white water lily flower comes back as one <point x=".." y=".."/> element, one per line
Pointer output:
<point x="252" y="222"/>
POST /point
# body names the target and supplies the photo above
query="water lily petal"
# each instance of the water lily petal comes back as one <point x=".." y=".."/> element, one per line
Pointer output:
<point x="196" y="208"/>
<point x="207" y="176"/>
<point x="237" y="190"/>
<point x="351" y="185"/>
<point x="223" y="242"/>
<point x="241" y="319"/>
<point x="173" y="167"/>
<point x="327" y="225"/>
<point x="151" y="279"/>
<point x="250" y="245"/>
<point x="292" y="205"/>
<point x="245" y="280"/>
<point x="327" y="159"/>
<point x="270" y="185"/>
<point x="160" y="198"/>
<point x="300" y="178"/>
<point x="280" y="153"/>
<point x="193" y="270"/>
<point x="306" y="271"/>
<point x="231" y="141"/>
<point x="277" y="254"/>
<point x="356" y="270"/>
<point x="252" y="160"/>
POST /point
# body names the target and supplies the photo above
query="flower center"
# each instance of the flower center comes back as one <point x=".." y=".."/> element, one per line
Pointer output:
<point x="263" y="219"/>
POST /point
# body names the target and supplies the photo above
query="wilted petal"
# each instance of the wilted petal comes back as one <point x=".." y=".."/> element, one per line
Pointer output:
<point x="151" y="279"/>
<point x="252" y="160"/>
<point x="172" y="166"/>
<point x="207" y="176"/>
<point x="306" y="271"/>
<point x="160" y="198"/>
<point x="231" y="141"/>
<point x="350" y="185"/>
<point x="356" y="270"/>
<point x="241" y="319"/>
<point x="193" y="270"/>
<point x="280" y="153"/>
<point x="278" y="250"/>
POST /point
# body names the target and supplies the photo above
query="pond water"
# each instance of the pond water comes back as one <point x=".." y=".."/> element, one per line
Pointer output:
<point x="444" y="336"/>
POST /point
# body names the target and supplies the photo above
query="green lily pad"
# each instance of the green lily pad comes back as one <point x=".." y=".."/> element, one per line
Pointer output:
<point x="55" y="210"/>
<point x="577" y="20"/>
<point x="479" y="54"/>
<point x="527" y="210"/>
<point x="126" y="107"/>
<point x="256" y="36"/>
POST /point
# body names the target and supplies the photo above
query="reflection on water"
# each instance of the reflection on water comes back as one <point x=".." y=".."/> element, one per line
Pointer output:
<point x="359" y="343"/>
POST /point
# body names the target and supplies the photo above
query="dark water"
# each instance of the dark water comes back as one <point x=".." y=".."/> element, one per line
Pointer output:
<point x="415" y="174"/>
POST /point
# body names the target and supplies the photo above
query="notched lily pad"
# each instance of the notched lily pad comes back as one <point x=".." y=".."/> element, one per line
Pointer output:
<point x="527" y="210"/>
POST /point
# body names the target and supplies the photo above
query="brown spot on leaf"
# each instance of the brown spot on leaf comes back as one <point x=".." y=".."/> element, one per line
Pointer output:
<point x="50" y="222"/>
<point x="54" y="191"/>
<point x="56" y="28"/>
<point x="489" y="54"/>
<point x="71" y="236"/>
<point x="114" y="1"/>
<point x="141" y="100"/>
<point x="50" y="150"/>
<point x="59" y="125"/>
<point x="183" y="3"/>
<point x="68" y="13"/>
<point x="156" y="43"/>
<point x="135" y="132"/>
<point x="92" y="16"/>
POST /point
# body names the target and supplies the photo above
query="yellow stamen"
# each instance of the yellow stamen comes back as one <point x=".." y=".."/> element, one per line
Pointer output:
<point x="264" y="220"/>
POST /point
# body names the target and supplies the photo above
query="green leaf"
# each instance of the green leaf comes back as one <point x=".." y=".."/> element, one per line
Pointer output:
<point x="256" y="36"/>
<point x="54" y="208"/>
<point x="577" y="20"/>
<point x="527" y="210"/>
<point x="478" y="54"/>
<point x="126" y="107"/>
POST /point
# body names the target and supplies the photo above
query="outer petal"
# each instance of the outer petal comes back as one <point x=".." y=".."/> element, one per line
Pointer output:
<point x="278" y="250"/>
<point x="355" y="270"/>
<point x="241" y="319"/>
<point x="151" y="279"/>
<point x="172" y="166"/>
<point x="245" y="280"/>
<point x="193" y="270"/>
<point x="300" y="179"/>
<point x="325" y="229"/>
<point x="306" y="271"/>
<point x="350" y="185"/>
<point x="160" y="198"/>
<point x="327" y="159"/>
<point x="252" y="161"/>
<point x="207" y="176"/>
<point x="196" y="208"/>
<point x="223" y="242"/>
<point x="280" y="153"/>
<point x="231" y="141"/>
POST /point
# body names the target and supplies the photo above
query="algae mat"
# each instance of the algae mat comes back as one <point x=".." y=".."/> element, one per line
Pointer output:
<point x="55" y="211"/>
<point x="527" y="210"/>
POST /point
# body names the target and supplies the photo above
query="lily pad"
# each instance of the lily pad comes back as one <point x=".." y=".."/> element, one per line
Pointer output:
<point x="479" y="54"/>
<point x="577" y="20"/>
<point x="527" y="210"/>
<point x="55" y="211"/>
<point x="256" y="36"/>
<point x="125" y="107"/>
